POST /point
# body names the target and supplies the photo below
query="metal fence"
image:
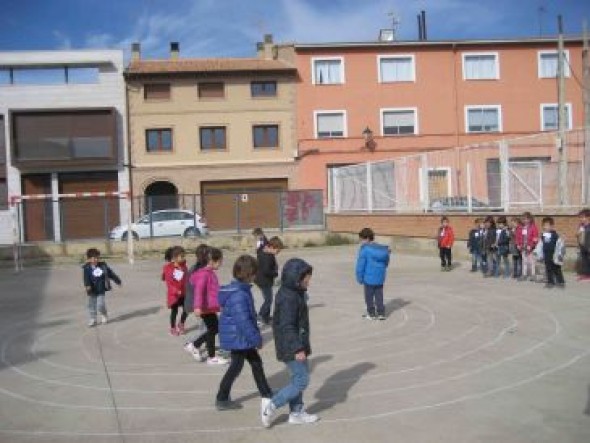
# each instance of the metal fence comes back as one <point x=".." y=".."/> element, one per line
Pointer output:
<point x="504" y="175"/>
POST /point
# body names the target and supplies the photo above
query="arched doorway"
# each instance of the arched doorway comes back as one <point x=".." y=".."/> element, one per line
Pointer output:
<point x="160" y="195"/>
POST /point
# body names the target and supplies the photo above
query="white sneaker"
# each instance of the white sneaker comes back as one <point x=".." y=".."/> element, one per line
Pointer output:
<point x="91" y="323"/>
<point x="217" y="360"/>
<point x="302" y="418"/>
<point x="104" y="319"/>
<point x="196" y="353"/>
<point x="267" y="412"/>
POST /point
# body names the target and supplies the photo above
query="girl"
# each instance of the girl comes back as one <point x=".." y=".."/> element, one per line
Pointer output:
<point x="205" y="305"/>
<point x="526" y="241"/>
<point x="515" y="230"/>
<point x="261" y="240"/>
<point x="175" y="276"/>
<point x="167" y="259"/>
<point x="239" y="333"/>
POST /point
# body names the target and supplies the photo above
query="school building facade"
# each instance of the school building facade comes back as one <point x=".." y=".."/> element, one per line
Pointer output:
<point x="359" y="102"/>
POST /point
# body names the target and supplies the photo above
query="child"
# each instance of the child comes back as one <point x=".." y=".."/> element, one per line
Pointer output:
<point x="489" y="246"/>
<point x="553" y="252"/>
<point x="206" y="306"/>
<point x="371" y="269"/>
<point x="239" y="333"/>
<point x="175" y="276"/>
<point x="97" y="280"/>
<point x="268" y="270"/>
<point x="526" y="242"/>
<point x="583" y="265"/>
<point x="202" y="258"/>
<point x="167" y="259"/>
<point x="291" y="330"/>
<point x="446" y="238"/>
<point x="515" y="231"/>
<point x="474" y="245"/>
<point x="261" y="239"/>
<point x="502" y="247"/>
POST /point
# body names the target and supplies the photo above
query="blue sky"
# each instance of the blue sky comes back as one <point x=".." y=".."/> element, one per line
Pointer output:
<point x="221" y="28"/>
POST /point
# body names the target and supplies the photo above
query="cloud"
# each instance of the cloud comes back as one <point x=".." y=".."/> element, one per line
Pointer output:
<point x="100" y="40"/>
<point x="63" y="41"/>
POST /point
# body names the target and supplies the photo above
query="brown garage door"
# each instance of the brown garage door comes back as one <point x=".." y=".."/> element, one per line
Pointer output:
<point x="88" y="217"/>
<point x="247" y="203"/>
<point x="37" y="214"/>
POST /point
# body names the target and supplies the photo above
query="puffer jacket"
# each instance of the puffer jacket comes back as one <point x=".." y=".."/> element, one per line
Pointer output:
<point x="290" y="321"/>
<point x="237" y="322"/>
<point x="371" y="264"/>
<point x="206" y="290"/>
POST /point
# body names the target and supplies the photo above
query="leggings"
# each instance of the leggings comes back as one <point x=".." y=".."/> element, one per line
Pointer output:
<point x="235" y="368"/>
<point x="174" y="312"/>
<point x="208" y="337"/>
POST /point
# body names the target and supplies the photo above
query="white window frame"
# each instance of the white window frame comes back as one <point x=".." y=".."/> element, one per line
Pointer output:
<point x="472" y="107"/>
<point x="448" y="171"/>
<point x="476" y="54"/>
<point x="382" y="119"/>
<point x="570" y="119"/>
<point x="396" y="56"/>
<point x="330" y="111"/>
<point x="567" y="70"/>
<point x="319" y="59"/>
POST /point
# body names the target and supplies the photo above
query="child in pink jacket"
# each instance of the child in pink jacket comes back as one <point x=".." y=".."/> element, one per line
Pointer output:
<point x="206" y="287"/>
<point x="527" y="238"/>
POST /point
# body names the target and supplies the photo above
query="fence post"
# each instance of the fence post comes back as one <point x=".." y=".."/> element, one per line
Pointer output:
<point x="469" y="190"/>
<point x="16" y="236"/>
<point x="150" y="216"/>
<point x="369" y="188"/>
<point x="504" y="175"/>
<point x="336" y="191"/>
<point x="106" y="218"/>
<point x="237" y="199"/>
<point x="195" y="211"/>
<point x="130" y="239"/>
<point x="282" y="210"/>
<point x="424" y="182"/>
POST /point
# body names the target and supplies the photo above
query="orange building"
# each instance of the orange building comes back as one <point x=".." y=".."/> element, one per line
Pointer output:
<point x="416" y="96"/>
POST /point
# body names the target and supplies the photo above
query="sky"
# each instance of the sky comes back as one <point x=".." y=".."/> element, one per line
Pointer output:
<point x="228" y="28"/>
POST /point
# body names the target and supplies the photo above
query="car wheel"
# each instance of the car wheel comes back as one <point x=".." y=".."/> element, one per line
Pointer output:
<point x="124" y="236"/>
<point x="191" y="232"/>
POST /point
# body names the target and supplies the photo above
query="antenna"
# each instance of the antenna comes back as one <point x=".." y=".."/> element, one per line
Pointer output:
<point x="395" y="22"/>
<point x="541" y="10"/>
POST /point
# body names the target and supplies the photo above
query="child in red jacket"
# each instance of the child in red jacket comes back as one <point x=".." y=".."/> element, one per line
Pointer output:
<point x="446" y="239"/>
<point x="526" y="241"/>
<point x="175" y="276"/>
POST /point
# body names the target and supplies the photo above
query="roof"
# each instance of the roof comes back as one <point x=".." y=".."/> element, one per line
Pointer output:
<point x="208" y="65"/>
<point x="433" y="43"/>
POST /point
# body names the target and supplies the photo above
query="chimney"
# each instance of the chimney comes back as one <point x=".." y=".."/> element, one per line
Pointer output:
<point x="424" y="34"/>
<point x="268" y="48"/>
<point x="420" y="37"/>
<point x="174" y="50"/>
<point x="135" y="52"/>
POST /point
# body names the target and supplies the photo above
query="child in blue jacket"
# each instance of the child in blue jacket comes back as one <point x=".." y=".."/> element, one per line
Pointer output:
<point x="371" y="269"/>
<point x="239" y="333"/>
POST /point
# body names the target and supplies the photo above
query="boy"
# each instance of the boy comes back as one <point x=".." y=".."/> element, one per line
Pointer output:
<point x="291" y="331"/>
<point x="583" y="266"/>
<point x="502" y="247"/>
<point x="97" y="280"/>
<point x="515" y="231"/>
<point x="474" y="245"/>
<point x="261" y="239"/>
<point x="489" y="246"/>
<point x="553" y="254"/>
<point x="446" y="238"/>
<point x="268" y="270"/>
<point x="371" y="269"/>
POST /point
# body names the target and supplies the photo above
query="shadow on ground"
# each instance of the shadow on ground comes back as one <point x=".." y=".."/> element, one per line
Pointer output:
<point x="395" y="305"/>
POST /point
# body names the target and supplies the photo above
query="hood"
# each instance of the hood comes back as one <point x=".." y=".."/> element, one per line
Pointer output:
<point x="293" y="272"/>
<point x="225" y="292"/>
<point x="377" y="252"/>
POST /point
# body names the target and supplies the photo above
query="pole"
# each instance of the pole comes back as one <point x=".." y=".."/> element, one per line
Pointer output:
<point x="130" y="239"/>
<point x="504" y="175"/>
<point x="586" y="79"/>
<point x="562" y="120"/>
<point x="369" y="188"/>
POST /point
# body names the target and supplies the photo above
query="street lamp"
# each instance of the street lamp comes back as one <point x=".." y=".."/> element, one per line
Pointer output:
<point x="369" y="141"/>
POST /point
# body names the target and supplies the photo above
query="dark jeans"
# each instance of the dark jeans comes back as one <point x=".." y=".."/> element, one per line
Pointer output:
<point x="517" y="266"/>
<point x="235" y="368"/>
<point x="174" y="312"/>
<point x="208" y="337"/>
<point x="553" y="272"/>
<point x="492" y="263"/>
<point x="264" y="312"/>
<point x="476" y="261"/>
<point x="584" y="265"/>
<point x="374" y="299"/>
<point x="446" y="257"/>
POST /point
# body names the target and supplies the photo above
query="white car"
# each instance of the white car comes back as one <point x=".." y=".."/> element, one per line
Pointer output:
<point x="165" y="223"/>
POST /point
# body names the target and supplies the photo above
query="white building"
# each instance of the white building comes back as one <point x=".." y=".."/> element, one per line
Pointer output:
<point x="64" y="130"/>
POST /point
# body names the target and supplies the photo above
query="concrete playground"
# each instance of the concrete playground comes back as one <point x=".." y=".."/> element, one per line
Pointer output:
<point x="460" y="358"/>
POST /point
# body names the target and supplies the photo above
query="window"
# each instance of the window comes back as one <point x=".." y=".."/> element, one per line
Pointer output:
<point x="398" y="68"/>
<point x="156" y="91"/>
<point x="330" y="124"/>
<point x="5" y="76"/>
<point x="39" y="76"/>
<point x="159" y="140"/>
<point x="550" y="116"/>
<point x="211" y="90"/>
<point x="213" y="138"/>
<point x="548" y="62"/>
<point x="399" y="121"/>
<point x="481" y="66"/>
<point x="82" y="75"/>
<point x="265" y="136"/>
<point x="483" y="118"/>
<point x="263" y="89"/>
<point x="328" y="71"/>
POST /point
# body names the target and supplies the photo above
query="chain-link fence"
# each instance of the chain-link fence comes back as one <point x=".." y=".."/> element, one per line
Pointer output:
<point x="505" y="175"/>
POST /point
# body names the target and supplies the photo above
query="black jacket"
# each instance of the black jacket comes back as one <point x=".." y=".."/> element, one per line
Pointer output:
<point x="503" y="242"/>
<point x="268" y="269"/>
<point x="290" y="321"/>
<point x="474" y="241"/>
<point x="549" y="240"/>
<point x="98" y="284"/>
<point x="489" y="240"/>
